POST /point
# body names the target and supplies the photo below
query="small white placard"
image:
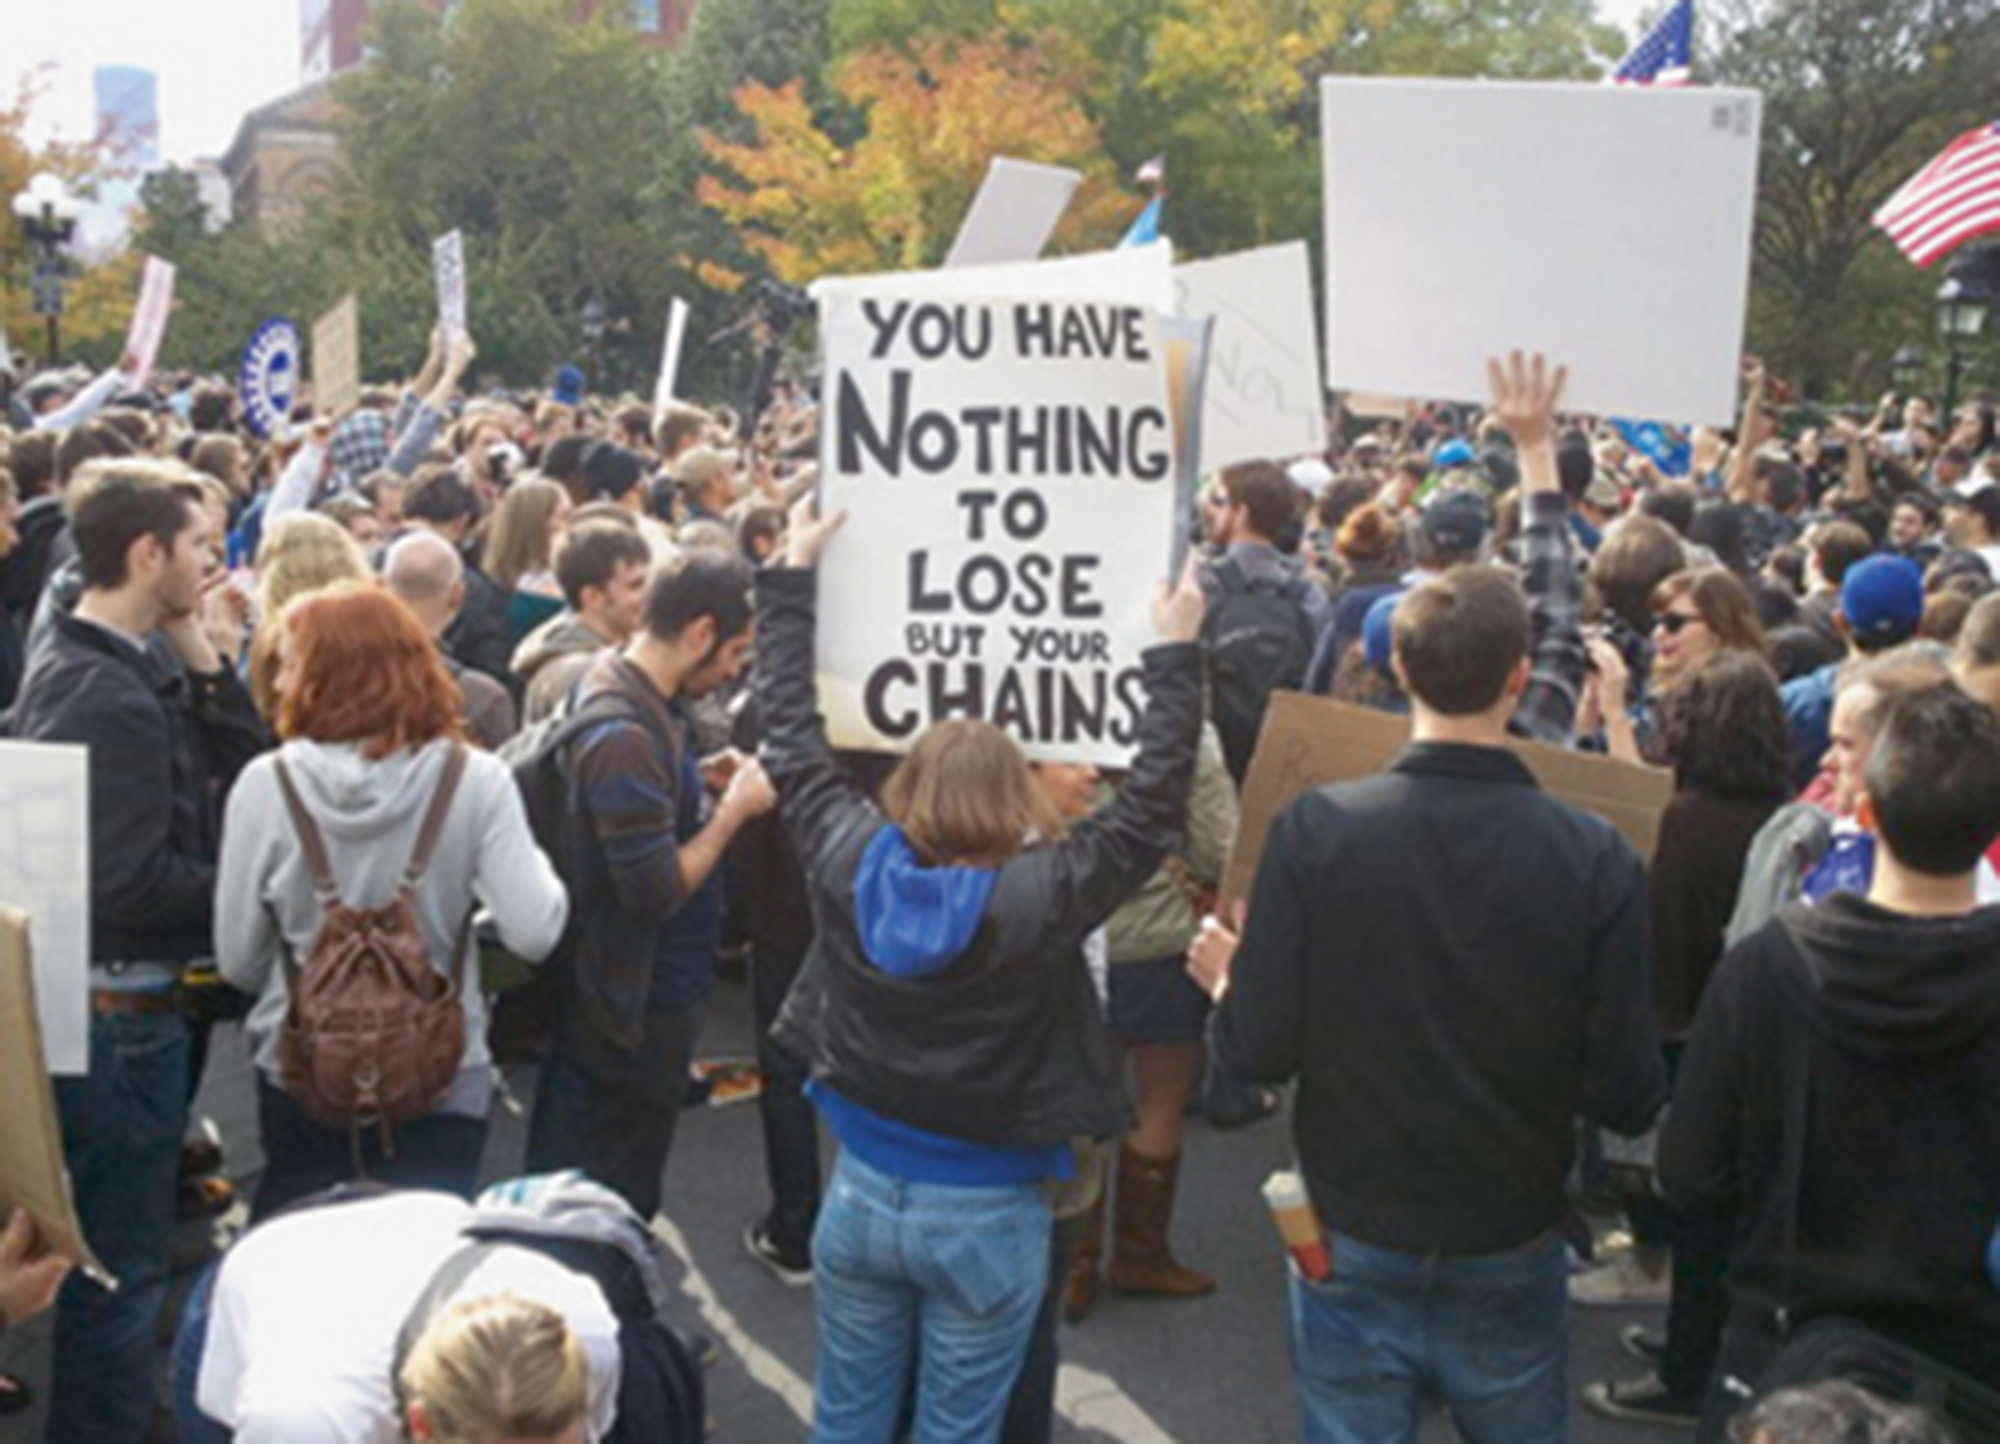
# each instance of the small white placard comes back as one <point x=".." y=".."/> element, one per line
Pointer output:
<point x="1263" y="398"/>
<point x="448" y="259"/>
<point x="45" y="872"/>
<point x="1014" y="214"/>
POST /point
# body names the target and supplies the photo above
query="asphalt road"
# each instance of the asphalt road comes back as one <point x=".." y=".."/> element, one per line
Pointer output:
<point x="1209" y="1371"/>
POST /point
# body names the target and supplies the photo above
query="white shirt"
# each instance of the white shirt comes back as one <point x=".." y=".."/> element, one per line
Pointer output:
<point x="303" y="1324"/>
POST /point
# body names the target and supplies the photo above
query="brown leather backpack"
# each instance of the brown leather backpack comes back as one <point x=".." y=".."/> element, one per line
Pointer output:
<point x="373" y="1034"/>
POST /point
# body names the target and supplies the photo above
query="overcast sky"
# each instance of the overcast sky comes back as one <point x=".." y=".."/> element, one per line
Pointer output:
<point x="215" y="59"/>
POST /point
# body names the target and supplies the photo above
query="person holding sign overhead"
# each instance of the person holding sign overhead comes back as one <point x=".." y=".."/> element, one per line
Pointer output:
<point x="954" y="1036"/>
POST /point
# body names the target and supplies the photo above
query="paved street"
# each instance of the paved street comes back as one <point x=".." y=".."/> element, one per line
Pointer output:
<point x="1211" y="1371"/>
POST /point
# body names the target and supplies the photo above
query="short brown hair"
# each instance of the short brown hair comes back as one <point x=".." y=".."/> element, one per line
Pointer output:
<point x="366" y="672"/>
<point x="678" y="424"/>
<point x="965" y="796"/>
<point x="1369" y="534"/>
<point x="1460" y="636"/>
<point x="592" y="555"/>
<point x="1637" y="555"/>
<point x="1836" y="546"/>
<point x="86" y="442"/>
<point x="1263" y="490"/>
<point x="116" y="503"/>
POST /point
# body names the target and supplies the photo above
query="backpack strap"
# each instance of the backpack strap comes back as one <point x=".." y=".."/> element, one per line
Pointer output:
<point x="451" y="1276"/>
<point x="311" y="843"/>
<point x="433" y="824"/>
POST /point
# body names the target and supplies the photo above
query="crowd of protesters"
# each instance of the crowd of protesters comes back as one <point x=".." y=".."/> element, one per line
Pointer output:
<point x="536" y="669"/>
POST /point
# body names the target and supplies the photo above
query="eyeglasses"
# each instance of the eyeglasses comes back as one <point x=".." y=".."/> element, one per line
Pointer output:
<point x="1672" y="622"/>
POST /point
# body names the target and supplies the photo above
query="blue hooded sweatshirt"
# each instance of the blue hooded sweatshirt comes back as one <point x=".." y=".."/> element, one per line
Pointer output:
<point x="915" y="920"/>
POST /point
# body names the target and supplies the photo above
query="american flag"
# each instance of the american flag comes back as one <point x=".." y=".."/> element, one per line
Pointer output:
<point x="1949" y="201"/>
<point x="1666" y="55"/>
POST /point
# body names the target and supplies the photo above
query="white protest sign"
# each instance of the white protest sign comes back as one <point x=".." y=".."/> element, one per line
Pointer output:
<point x="1607" y="226"/>
<point x="1263" y="397"/>
<point x="448" y="261"/>
<point x="670" y="354"/>
<point x="1132" y="275"/>
<point x="149" y="317"/>
<point x="1007" y="467"/>
<point x="1014" y="214"/>
<point x="336" y="358"/>
<point x="45" y="872"/>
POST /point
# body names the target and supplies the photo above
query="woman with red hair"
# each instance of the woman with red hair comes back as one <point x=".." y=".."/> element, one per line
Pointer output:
<point x="370" y="723"/>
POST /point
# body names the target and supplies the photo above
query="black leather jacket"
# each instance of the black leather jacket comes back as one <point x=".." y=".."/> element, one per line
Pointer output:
<point x="1005" y="1045"/>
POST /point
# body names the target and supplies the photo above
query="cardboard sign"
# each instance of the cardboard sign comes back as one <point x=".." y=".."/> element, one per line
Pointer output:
<point x="1606" y="226"/>
<point x="1308" y="742"/>
<point x="1263" y="398"/>
<point x="448" y="261"/>
<point x="149" y="317"/>
<point x="45" y="872"/>
<point x="1014" y="214"/>
<point x="32" y="1176"/>
<point x="1007" y="467"/>
<point x="336" y="358"/>
<point x="1136" y="275"/>
<point x="670" y="354"/>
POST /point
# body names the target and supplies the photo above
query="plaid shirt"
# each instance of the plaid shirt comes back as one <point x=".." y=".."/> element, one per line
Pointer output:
<point x="1558" y="658"/>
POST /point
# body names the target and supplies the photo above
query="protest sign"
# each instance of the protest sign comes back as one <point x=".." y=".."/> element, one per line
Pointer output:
<point x="1262" y="398"/>
<point x="1007" y="466"/>
<point x="45" y="872"/>
<point x="1014" y="213"/>
<point x="149" y="317"/>
<point x="1606" y="226"/>
<point x="670" y="354"/>
<point x="32" y="1176"/>
<point x="268" y="380"/>
<point x="1308" y="742"/>
<point x="448" y="261"/>
<point x="1187" y="340"/>
<point x="337" y="358"/>
<point x="1132" y="275"/>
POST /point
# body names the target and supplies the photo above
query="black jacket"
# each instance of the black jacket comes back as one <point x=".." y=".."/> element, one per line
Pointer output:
<point x="1004" y="1046"/>
<point x="164" y="749"/>
<point x="1454" y="965"/>
<point x="479" y="636"/>
<point x="1901" y="1188"/>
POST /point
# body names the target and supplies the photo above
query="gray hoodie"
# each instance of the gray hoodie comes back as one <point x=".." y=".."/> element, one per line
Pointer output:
<point x="369" y="811"/>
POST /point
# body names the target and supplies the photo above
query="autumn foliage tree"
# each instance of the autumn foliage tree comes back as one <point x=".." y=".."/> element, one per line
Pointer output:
<point x="809" y="205"/>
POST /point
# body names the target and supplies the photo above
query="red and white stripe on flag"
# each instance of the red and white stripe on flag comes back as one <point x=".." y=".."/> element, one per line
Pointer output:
<point x="1949" y="201"/>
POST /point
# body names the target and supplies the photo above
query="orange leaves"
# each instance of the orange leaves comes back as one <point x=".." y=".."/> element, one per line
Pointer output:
<point x="934" y="117"/>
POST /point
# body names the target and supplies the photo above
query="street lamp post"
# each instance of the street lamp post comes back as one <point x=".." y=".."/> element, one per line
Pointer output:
<point x="48" y="215"/>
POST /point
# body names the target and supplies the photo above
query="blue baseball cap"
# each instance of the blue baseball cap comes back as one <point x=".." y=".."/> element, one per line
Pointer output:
<point x="1882" y="601"/>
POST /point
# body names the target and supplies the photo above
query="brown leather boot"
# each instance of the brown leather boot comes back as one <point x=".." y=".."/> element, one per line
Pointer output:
<point x="1080" y="1285"/>
<point x="1141" y="1262"/>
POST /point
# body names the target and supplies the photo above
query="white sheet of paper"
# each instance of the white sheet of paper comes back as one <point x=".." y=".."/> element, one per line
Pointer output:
<point x="149" y="317"/>
<point x="1262" y="398"/>
<point x="1014" y="214"/>
<point x="448" y="259"/>
<point x="670" y="354"/>
<point x="45" y="872"/>
<point x="1133" y="275"/>
<point x="1007" y="467"/>
<point x="1607" y="226"/>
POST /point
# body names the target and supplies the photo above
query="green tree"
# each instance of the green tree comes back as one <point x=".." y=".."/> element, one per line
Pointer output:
<point x="1858" y="94"/>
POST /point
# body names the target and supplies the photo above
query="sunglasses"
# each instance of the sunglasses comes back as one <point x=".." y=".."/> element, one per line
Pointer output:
<point x="1672" y="622"/>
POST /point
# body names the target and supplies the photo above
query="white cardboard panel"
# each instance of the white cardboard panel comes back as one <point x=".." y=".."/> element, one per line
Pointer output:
<point x="1262" y="397"/>
<point x="1014" y="214"/>
<point x="1607" y="226"/>
<point x="1130" y="275"/>
<point x="45" y="872"/>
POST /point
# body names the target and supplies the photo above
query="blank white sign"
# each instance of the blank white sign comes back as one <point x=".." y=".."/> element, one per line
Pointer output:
<point x="1607" y="226"/>
<point x="45" y="872"/>
<point x="1014" y="214"/>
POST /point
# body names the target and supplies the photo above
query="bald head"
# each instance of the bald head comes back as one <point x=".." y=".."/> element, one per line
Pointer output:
<point x="425" y="572"/>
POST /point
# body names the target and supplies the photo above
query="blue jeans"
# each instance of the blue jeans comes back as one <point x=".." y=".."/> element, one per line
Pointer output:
<point x="1488" y="1336"/>
<point x="894" y="1263"/>
<point x="122" y="1126"/>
